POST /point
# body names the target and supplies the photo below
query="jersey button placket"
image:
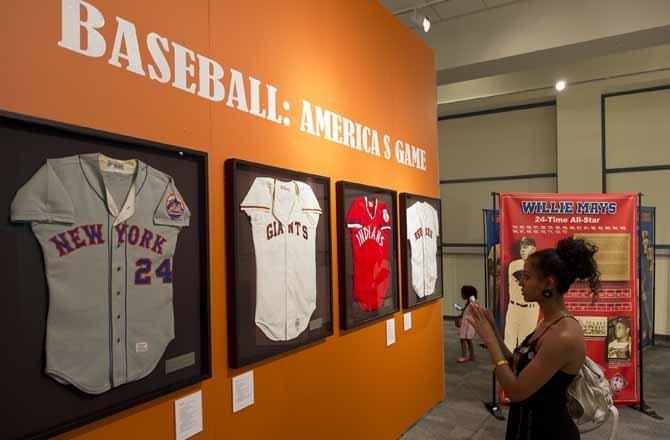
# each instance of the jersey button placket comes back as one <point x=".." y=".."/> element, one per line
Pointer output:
<point x="424" y="262"/>
<point x="285" y="301"/>
<point x="118" y="308"/>
<point x="291" y="261"/>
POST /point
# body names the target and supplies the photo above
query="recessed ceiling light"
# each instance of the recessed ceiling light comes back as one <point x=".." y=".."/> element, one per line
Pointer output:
<point x="420" y="20"/>
<point x="560" y="85"/>
<point x="426" y="24"/>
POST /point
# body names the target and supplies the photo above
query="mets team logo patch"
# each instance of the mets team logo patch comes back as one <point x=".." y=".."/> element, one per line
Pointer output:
<point x="175" y="206"/>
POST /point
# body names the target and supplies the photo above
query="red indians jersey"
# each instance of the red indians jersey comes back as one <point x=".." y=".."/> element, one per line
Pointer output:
<point x="370" y="225"/>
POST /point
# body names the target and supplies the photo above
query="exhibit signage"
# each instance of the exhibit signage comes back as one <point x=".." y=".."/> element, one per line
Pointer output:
<point x="647" y="266"/>
<point x="492" y="250"/>
<point x="184" y="69"/>
<point x="532" y="222"/>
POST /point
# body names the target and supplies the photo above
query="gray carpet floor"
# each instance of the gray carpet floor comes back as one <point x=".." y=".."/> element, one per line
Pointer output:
<point x="462" y="415"/>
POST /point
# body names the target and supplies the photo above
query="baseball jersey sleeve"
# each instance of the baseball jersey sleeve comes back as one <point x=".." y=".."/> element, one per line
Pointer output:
<point x="310" y="205"/>
<point x="353" y="219"/>
<point x="172" y="210"/>
<point x="386" y="217"/>
<point x="436" y="222"/>
<point x="411" y="222"/>
<point x="43" y="199"/>
<point x="258" y="201"/>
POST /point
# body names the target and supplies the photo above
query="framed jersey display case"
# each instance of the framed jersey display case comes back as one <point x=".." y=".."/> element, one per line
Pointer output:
<point x="368" y="274"/>
<point x="279" y="279"/>
<point x="420" y="245"/>
<point x="106" y="281"/>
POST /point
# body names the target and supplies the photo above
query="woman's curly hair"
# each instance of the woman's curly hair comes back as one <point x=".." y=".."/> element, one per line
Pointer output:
<point x="571" y="260"/>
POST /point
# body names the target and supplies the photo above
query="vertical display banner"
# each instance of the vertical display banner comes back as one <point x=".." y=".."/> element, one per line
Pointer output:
<point x="532" y="222"/>
<point x="647" y="258"/>
<point x="492" y="250"/>
<point x="492" y="280"/>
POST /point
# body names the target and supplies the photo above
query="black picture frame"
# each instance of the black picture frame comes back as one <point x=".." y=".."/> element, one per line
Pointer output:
<point x="370" y="306"/>
<point x="410" y="297"/>
<point x="28" y="142"/>
<point x="250" y="341"/>
<point x="619" y="354"/>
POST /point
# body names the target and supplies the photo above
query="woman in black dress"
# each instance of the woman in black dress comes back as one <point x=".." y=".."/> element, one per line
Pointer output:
<point x="537" y="374"/>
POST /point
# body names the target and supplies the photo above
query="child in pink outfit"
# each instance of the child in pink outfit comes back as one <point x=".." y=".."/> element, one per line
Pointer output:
<point x="467" y="330"/>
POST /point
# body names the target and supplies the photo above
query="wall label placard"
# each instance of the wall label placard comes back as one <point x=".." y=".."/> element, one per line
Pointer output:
<point x="192" y="72"/>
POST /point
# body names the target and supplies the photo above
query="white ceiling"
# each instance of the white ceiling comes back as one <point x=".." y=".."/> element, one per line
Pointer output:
<point x="438" y="10"/>
<point x="483" y="38"/>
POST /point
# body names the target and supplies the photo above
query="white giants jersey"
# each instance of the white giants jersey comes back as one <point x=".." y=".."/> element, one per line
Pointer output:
<point x="422" y="231"/>
<point x="284" y="217"/>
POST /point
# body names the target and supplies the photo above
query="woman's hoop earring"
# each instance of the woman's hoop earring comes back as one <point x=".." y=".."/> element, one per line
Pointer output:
<point x="547" y="293"/>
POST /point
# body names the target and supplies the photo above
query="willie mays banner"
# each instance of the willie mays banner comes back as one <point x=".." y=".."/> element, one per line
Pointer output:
<point x="647" y="242"/>
<point x="531" y="222"/>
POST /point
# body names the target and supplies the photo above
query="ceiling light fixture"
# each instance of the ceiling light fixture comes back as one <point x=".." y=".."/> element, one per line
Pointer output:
<point x="426" y="24"/>
<point x="560" y="85"/>
<point x="421" y="21"/>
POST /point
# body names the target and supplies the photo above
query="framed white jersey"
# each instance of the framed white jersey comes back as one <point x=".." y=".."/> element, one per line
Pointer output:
<point x="421" y="245"/>
<point x="279" y="256"/>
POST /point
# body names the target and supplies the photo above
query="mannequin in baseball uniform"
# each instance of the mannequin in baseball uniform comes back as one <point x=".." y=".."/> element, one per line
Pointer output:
<point x="521" y="317"/>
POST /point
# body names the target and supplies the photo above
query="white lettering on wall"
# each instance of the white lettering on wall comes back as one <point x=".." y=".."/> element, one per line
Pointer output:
<point x="71" y="26"/>
<point x="126" y="35"/>
<point x="172" y="63"/>
<point x="255" y="109"/>
<point x="184" y="68"/>
<point x="236" y="95"/>
<point x="157" y="46"/>
<point x="211" y="74"/>
<point x="272" y="104"/>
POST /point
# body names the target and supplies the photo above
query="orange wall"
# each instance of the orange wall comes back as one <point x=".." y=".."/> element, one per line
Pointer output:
<point x="349" y="56"/>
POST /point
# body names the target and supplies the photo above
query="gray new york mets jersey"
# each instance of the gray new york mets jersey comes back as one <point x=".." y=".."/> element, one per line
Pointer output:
<point x="108" y="231"/>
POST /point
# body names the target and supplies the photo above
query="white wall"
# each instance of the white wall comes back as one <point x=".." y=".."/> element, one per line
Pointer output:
<point x="511" y="143"/>
<point x="637" y="133"/>
<point x="580" y="130"/>
<point x="499" y="144"/>
<point x="459" y="270"/>
<point x="538" y="83"/>
<point x="462" y="204"/>
<point x="662" y="279"/>
<point x="637" y="129"/>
